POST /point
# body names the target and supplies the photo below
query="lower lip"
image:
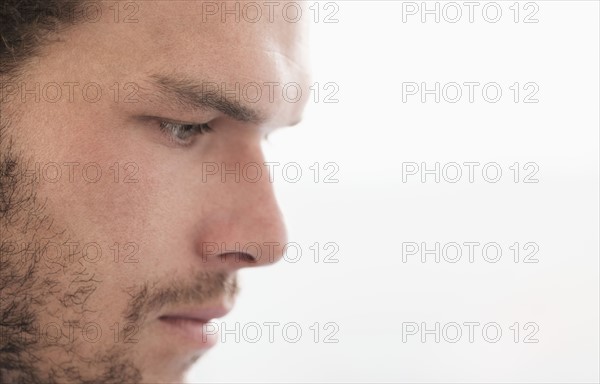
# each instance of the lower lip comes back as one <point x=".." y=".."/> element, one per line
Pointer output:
<point x="193" y="331"/>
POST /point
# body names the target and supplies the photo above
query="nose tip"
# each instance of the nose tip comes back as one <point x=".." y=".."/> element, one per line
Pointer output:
<point x="246" y="230"/>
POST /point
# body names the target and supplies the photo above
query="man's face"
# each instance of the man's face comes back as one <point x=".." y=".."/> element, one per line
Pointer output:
<point x="123" y="230"/>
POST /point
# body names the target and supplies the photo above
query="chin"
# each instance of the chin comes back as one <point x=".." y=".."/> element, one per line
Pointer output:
<point x="170" y="372"/>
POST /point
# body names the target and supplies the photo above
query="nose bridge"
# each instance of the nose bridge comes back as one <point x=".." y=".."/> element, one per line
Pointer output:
<point x="245" y="228"/>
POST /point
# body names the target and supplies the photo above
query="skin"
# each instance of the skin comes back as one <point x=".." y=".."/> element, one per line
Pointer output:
<point x="163" y="220"/>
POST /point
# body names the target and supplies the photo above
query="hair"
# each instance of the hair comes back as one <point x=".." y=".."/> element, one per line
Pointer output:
<point x="26" y="25"/>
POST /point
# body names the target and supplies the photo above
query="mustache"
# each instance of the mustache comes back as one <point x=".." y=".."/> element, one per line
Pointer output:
<point x="202" y="288"/>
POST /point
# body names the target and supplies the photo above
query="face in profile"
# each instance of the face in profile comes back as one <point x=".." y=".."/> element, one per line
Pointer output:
<point x="123" y="215"/>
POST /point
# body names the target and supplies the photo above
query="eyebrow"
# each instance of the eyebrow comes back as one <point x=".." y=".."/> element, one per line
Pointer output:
<point x="191" y="94"/>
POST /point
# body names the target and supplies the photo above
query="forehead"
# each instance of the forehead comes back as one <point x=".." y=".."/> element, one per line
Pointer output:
<point x="234" y="44"/>
<point x="194" y="29"/>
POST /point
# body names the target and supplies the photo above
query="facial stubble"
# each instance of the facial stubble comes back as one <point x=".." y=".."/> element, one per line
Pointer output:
<point x="35" y="291"/>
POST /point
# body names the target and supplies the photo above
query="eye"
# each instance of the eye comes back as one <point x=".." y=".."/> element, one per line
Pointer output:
<point x="181" y="133"/>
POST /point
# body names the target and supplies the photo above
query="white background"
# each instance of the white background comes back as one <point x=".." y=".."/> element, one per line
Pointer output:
<point x="371" y="292"/>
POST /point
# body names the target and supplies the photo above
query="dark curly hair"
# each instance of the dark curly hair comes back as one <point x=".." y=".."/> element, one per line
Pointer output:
<point x="25" y="26"/>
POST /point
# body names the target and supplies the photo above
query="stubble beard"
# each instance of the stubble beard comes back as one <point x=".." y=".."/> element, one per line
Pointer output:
<point x="35" y="293"/>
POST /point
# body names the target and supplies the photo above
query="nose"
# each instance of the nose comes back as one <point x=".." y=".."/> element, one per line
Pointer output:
<point x="242" y="225"/>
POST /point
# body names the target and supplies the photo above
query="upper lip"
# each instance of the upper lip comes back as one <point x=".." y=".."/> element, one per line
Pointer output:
<point x="199" y="314"/>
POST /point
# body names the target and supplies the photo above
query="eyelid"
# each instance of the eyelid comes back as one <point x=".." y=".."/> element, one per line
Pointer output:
<point x="174" y="121"/>
<point x="173" y="131"/>
<point x="164" y="121"/>
<point x="201" y="127"/>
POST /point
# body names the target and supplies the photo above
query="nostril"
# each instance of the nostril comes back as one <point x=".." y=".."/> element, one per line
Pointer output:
<point x="238" y="257"/>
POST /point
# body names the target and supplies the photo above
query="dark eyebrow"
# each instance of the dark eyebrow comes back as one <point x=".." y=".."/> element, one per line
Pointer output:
<point x="191" y="94"/>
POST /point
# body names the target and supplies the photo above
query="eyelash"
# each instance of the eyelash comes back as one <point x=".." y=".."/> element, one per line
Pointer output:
<point x="174" y="130"/>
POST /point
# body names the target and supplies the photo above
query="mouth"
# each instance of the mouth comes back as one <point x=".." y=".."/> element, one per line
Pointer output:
<point x="194" y="326"/>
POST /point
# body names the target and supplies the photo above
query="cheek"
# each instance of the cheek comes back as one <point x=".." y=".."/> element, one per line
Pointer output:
<point x="101" y="189"/>
<point x="109" y="184"/>
<point x="107" y="191"/>
<point x="132" y="194"/>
